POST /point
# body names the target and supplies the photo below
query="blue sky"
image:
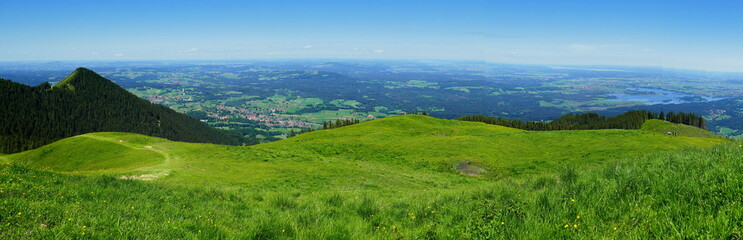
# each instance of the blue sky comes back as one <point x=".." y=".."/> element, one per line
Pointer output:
<point x="705" y="35"/>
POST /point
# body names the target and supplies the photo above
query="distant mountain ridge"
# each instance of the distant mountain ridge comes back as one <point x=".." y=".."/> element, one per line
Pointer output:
<point x="86" y="102"/>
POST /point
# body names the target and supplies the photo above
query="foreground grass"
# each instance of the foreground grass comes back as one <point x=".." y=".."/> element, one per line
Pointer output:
<point x="696" y="193"/>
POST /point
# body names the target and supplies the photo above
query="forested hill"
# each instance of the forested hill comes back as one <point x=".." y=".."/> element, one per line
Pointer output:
<point x="85" y="102"/>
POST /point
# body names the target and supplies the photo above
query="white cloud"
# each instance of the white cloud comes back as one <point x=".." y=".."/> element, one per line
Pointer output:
<point x="190" y="50"/>
<point x="577" y="47"/>
<point x="119" y="54"/>
<point x="378" y="51"/>
<point x="307" y="46"/>
<point x="94" y="53"/>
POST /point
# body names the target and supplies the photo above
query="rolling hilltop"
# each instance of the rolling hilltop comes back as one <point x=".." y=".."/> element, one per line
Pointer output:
<point x="409" y="150"/>
<point x="408" y="176"/>
<point x="85" y="102"/>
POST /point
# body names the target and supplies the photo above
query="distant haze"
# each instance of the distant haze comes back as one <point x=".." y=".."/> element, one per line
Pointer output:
<point x="702" y="35"/>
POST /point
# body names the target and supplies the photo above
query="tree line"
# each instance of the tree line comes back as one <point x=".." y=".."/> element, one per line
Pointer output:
<point x="330" y="124"/>
<point x="585" y="121"/>
<point x="339" y="123"/>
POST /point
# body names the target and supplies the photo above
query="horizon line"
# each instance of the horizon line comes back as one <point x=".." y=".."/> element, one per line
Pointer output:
<point x="416" y="60"/>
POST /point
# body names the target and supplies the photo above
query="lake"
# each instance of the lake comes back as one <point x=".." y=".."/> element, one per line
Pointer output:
<point x="653" y="96"/>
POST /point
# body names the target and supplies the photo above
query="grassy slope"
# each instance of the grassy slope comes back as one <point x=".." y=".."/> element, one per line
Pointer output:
<point x="660" y="126"/>
<point x="396" y="179"/>
<point x="396" y="153"/>
<point x="686" y="194"/>
<point x="98" y="153"/>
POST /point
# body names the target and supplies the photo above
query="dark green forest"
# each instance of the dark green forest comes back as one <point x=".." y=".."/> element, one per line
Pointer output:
<point x="85" y="102"/>
<point x="585" y="121"/>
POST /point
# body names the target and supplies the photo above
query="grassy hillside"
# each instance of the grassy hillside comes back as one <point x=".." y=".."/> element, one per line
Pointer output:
<point x="660" y="126"/>
<point x="643" y="197"/>
<point x="397" y="177"/>
<point x="404" y="152"/>
<point x="98" y="153"/>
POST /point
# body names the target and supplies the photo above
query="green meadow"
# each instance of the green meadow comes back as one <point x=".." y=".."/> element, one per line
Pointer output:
<point x="403" y="177"/>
